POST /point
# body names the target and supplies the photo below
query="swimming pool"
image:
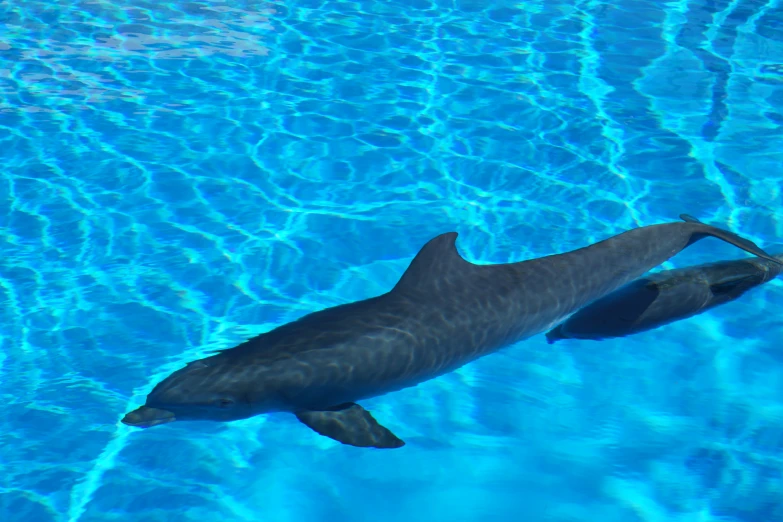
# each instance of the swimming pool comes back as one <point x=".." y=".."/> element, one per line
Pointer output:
<point x="179" y="176"/>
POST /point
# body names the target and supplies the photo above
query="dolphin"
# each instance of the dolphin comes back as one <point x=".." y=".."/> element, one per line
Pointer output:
<point x="444" y="312"/>
<point x="665" y="297"/>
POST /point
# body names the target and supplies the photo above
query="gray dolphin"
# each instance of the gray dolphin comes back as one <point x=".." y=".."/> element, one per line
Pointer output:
<point x="443" y="313"/>
<point x="665" y="297"/>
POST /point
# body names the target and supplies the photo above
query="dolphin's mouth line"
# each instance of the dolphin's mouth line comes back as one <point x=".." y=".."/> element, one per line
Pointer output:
<point x="150" y="423"/>
<point x="146" y="417"/>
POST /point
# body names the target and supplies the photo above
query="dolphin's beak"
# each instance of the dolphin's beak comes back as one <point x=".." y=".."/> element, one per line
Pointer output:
<point x="146" y="417"/>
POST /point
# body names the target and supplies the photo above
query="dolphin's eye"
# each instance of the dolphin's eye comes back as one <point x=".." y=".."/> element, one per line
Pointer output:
<point x="224" y="402"/>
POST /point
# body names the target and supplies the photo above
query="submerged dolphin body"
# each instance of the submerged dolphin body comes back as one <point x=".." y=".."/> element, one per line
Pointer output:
<point x="665" y="297"/>
<point x="443" y="313"/>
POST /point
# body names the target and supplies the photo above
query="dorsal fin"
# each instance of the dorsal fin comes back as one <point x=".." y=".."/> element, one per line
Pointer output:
<point x="689" y="219"/>
<point x="436" y="261"/>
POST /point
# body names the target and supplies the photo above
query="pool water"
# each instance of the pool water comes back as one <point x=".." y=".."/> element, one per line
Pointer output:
<point x="179" y="176"/>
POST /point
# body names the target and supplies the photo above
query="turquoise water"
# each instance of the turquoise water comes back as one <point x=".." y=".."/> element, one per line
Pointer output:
<point x="179" y="176"/>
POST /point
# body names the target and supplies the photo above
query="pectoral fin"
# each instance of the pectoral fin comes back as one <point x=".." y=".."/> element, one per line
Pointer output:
<point x="350" y="424"/>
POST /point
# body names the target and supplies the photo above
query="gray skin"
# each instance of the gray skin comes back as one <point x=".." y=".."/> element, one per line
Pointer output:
<point x="443" y="313"/>
<point x="665" y="297"/>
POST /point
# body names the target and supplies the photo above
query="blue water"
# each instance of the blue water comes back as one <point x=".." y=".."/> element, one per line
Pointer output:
<point x="178" y="176"/>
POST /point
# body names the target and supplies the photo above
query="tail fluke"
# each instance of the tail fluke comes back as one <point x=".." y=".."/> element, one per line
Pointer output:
<point x="729" y="237"/>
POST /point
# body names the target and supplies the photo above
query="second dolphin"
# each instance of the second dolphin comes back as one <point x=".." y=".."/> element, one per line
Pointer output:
<point x="665" y="297"/>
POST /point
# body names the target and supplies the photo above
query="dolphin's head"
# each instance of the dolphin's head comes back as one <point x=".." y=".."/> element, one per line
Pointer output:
<point x="202" y="390"/>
